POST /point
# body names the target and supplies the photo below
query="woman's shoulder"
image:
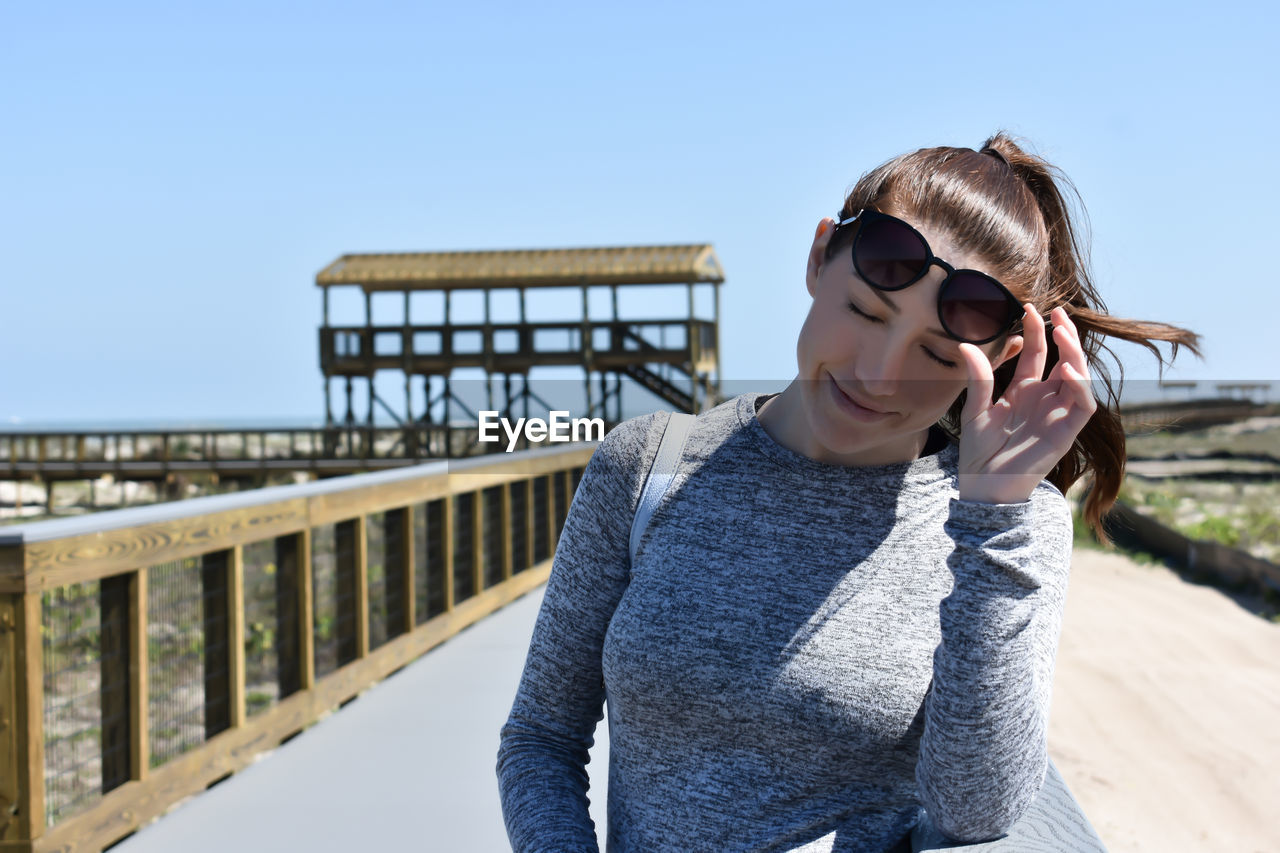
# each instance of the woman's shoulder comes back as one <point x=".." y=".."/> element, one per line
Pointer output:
<point x="631" y="439"/>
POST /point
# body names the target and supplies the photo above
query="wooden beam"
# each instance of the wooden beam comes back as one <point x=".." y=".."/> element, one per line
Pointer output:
<point x="139" y="721"/>
<point x="235" y="634"/>
<point x="29" y="707"/>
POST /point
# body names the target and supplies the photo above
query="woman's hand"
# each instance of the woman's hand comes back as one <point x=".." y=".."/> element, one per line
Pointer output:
<point x="1009" y="446"/>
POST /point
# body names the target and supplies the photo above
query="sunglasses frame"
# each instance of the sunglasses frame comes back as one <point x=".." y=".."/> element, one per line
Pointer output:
<point x="868" y="214"/>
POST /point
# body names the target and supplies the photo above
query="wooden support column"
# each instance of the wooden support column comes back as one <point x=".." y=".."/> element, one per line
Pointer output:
<point x="139" y="721"/>
<point x="235" y="634"/>
<point x="447" y="525"/>
<point x="715" y="330"/>
<point x="21" y="713"/>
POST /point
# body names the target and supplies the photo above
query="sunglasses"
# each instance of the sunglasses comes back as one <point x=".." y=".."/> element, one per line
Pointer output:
<point x="889" y="254"/>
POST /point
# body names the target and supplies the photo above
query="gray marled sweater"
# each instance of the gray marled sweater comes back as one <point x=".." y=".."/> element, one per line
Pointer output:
<point x="802" y="657"/>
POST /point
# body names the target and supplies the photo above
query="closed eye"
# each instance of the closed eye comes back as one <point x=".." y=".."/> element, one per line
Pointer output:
<point x="938" y="359"/>
<point x="944" y="362"/>
<point x="855" y="309"/>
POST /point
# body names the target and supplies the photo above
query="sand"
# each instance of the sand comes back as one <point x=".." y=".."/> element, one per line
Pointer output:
<point x="1166" y="711"/>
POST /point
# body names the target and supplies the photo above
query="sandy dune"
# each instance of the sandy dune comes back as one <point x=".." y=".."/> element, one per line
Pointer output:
<point x="1166" y="711"/>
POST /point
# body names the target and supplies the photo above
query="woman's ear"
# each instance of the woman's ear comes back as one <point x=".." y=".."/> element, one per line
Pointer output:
<point x="817" y="253"/>
<point x="1012" y="346"/>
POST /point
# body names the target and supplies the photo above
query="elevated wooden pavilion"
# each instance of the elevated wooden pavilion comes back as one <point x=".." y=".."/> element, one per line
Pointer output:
<point x="678" y="359"/>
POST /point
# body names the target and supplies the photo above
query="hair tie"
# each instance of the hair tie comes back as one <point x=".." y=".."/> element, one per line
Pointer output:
<point x="996" y="154"/>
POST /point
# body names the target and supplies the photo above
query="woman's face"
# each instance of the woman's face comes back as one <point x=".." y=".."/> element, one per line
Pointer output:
<point x="876" y="369"/>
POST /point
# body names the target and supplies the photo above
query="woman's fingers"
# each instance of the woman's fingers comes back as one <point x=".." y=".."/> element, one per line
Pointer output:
<point x="1035" y="347"/>
<point x="981" y="382"/>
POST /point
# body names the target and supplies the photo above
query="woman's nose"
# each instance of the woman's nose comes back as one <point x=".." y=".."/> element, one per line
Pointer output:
<point x="881" y="369"/>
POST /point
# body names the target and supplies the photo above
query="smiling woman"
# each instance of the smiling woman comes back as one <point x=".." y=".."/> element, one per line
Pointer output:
<point x="845" y="609"/>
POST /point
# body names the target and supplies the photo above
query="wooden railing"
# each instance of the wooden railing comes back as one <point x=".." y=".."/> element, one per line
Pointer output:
<point x="147" y="653"/>
<point x="151" y="453"/>
<point x="515" y="347"/>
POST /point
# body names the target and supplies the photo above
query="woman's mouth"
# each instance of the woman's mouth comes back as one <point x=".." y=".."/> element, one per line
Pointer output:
<point x="852" y="407"/>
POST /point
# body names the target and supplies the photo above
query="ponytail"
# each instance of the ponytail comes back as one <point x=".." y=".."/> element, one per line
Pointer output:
<point x="1099" y="449"/>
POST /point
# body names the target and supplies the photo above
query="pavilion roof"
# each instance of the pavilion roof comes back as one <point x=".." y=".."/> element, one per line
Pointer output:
<point x="676" y="264"/>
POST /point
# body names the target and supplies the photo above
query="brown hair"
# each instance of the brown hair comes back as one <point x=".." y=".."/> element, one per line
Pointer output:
<point x="1007" y="205"/>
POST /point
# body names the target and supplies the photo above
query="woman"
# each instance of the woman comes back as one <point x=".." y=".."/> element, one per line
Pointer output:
<point x="847" y="606"/>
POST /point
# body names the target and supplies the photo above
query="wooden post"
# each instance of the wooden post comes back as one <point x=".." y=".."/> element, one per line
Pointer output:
<point x="139" y="723"/>
<point x="21" y="714"/>
<point x="362" y="586"/>
<point x="235" y="634"/>
<point x="306" y="613"/>
<point x="408" y="587"/>
<point x="715" y="329"/>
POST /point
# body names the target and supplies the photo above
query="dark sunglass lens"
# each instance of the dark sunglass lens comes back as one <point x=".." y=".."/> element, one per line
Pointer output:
<point x="974" y="308"/>
<point x="888" y="255"/>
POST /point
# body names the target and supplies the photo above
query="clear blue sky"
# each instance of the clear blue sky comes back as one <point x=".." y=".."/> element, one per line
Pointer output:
<point x="173" y="176"/>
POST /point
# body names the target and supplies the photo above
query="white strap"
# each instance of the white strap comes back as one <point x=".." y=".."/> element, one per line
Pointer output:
<point x="661" y="474"/>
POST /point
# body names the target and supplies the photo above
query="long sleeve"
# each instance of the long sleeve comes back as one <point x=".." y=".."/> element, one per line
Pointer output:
<point x="983" y="753"/>
<point x="544" y="744"/>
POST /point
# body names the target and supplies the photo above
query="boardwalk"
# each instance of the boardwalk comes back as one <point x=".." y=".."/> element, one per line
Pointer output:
<point x="1165" y="703"/>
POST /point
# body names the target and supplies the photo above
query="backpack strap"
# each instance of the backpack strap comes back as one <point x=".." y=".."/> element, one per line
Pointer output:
<point x="661" y="474"/>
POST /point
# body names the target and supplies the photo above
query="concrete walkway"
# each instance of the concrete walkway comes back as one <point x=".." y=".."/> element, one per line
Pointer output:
<point x="1165" y="726"/>
<point x="409" y="765"/>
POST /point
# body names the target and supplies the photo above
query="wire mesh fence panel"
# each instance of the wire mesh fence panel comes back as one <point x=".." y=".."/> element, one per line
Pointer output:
<point x="541" y="538"/>
<point x="175" y="658"/>
<point x="493" y="534"/>
<point x="561" y="481"/>
<point x="261" y="627"/>
<point x="464" y="578"/>
<point x="324" y="598"/>
<point x="72" y="637"/>
<point x="215" y="613"/>
<point x="428" y="551"/>
<point x="333" y="567"/>
<point x="288" y="639"/>
<point x="393" y="594"/>
<point x="385" y="566"/>
<point x="376" y="576"/>
<point x="519" y="528"/>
